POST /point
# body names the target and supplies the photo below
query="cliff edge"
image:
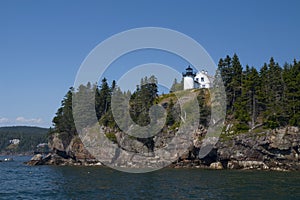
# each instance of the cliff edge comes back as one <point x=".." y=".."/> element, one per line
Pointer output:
<point x="266" y="150"/>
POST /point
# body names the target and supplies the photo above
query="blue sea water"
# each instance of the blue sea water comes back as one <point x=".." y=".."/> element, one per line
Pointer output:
<point x="18" y="181"/>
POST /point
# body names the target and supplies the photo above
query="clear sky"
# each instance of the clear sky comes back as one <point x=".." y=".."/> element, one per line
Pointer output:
<point x="43" y="43"/>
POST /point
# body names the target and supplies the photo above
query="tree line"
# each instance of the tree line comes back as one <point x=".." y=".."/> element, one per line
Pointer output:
<point x="140" y="102"/>
<point x="269" y="97"/>
<point x="29" y="138"/>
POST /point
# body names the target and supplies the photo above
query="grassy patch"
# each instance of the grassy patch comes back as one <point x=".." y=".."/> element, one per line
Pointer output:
<point x="111" y="136"/>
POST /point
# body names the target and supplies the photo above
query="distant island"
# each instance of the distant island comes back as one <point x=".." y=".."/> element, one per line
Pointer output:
<point x="260" y="131"/>
<point x="22" y="140"/>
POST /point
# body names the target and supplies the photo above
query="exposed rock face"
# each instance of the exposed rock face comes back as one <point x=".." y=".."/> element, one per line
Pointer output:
<point x="270" y="150"/>
<point x="73" y="154"/>
<point x="36" y="160"/>
<point x="247" y="165"/>
<point x="132" y="145"/>
<point x="56" y="143"/>
<point x="77" y="151"/>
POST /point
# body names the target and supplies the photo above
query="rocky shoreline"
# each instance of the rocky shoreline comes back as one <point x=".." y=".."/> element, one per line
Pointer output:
<point x="261" y="150"/>
<point x="271" y="150"/>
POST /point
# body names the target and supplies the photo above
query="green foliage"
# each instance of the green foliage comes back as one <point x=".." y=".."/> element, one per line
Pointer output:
<point x="240" y="127"/>
<point x="63" y="121"/>
<point x="142" y="99"/>
<point x="112" y="137"/>
<point x="270" y="96"/>
<point x="176" y="86"/>
<point x="29" y="137"/>
<point x="103" y="97"/>
<point x="175" y="125"/>
<point x="291" y="77"/>
<point x="170" y="120"/>
<point x="84" y="105"/>
<point x="165" y="97"/>
<point x="204" y="108"/>
<point x="80" y="102"/>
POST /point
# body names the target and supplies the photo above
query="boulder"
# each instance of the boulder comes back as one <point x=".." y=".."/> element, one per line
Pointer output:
<point x="216" y="165"/>
<point x="35" y="160"/>
<point x="37" y="157"/>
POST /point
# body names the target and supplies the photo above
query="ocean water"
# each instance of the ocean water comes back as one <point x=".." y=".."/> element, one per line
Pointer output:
<point x="18" y="181"/>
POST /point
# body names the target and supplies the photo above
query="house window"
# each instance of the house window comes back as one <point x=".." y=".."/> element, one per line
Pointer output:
<point x="203" y="86"/>
<point x="202" y="79"/>
<point x="197" y="79"/>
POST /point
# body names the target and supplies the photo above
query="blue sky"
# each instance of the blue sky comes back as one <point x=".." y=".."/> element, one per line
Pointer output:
<point x="43" y="43"/>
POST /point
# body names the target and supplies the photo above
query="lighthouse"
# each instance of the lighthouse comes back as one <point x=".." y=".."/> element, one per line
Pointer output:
<point x="197" y="80"/>
<point x="188" y="79"/>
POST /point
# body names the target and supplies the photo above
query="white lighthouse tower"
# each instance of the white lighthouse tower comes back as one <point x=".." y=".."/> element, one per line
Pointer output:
<point x="188" y="79"/>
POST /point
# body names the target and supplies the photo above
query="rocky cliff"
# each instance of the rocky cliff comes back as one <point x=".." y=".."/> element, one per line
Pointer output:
<point x="267" y="150"/>
<point x="72" y="154"/>
<point x="263" y="150"/>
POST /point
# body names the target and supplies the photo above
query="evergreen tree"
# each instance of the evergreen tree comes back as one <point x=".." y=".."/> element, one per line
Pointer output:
<point x="102" y="98"/>
<point x="142" y="99"/>
<point x="226" y="72"/>
<point x="263" y="84"/>
<point x="176" y="86"/>
<point x="274" y="114"/>
<point x="204" y="109"/>
<point x="63" y="121"/>
<point x="84" y="106"/>
<point x="170" y="120"/>
<point x="291" y="77"/>
<point x="246" y="110"/>
<point x="236" y="81"/>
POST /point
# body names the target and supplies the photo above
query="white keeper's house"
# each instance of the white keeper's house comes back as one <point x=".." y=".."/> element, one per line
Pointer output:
<point x="193" y="80"/>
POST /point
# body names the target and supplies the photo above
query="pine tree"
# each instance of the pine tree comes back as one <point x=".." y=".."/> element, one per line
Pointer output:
<point x="263" y="84"/>
<point x="142" y="99"/>
<point x="225" y="69"/>
<point x="236" y="82"/>
<point x="170" y="120"/>
<point x="291" y="77"/>
<point x="204" y="109"/>
<point x="63" y="121"/>
<point x="274" y="114"/>
<point x="84" y="106"/>
<point x="102" y="98"/>
<point x="176" y="86"/>
<point x="246" y="110"/>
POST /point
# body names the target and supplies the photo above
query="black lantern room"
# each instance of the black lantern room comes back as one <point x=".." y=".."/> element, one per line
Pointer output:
<point x="189" y="72"/>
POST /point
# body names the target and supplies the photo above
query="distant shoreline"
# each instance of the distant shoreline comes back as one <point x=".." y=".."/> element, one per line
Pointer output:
<point x="17" y="154"/>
